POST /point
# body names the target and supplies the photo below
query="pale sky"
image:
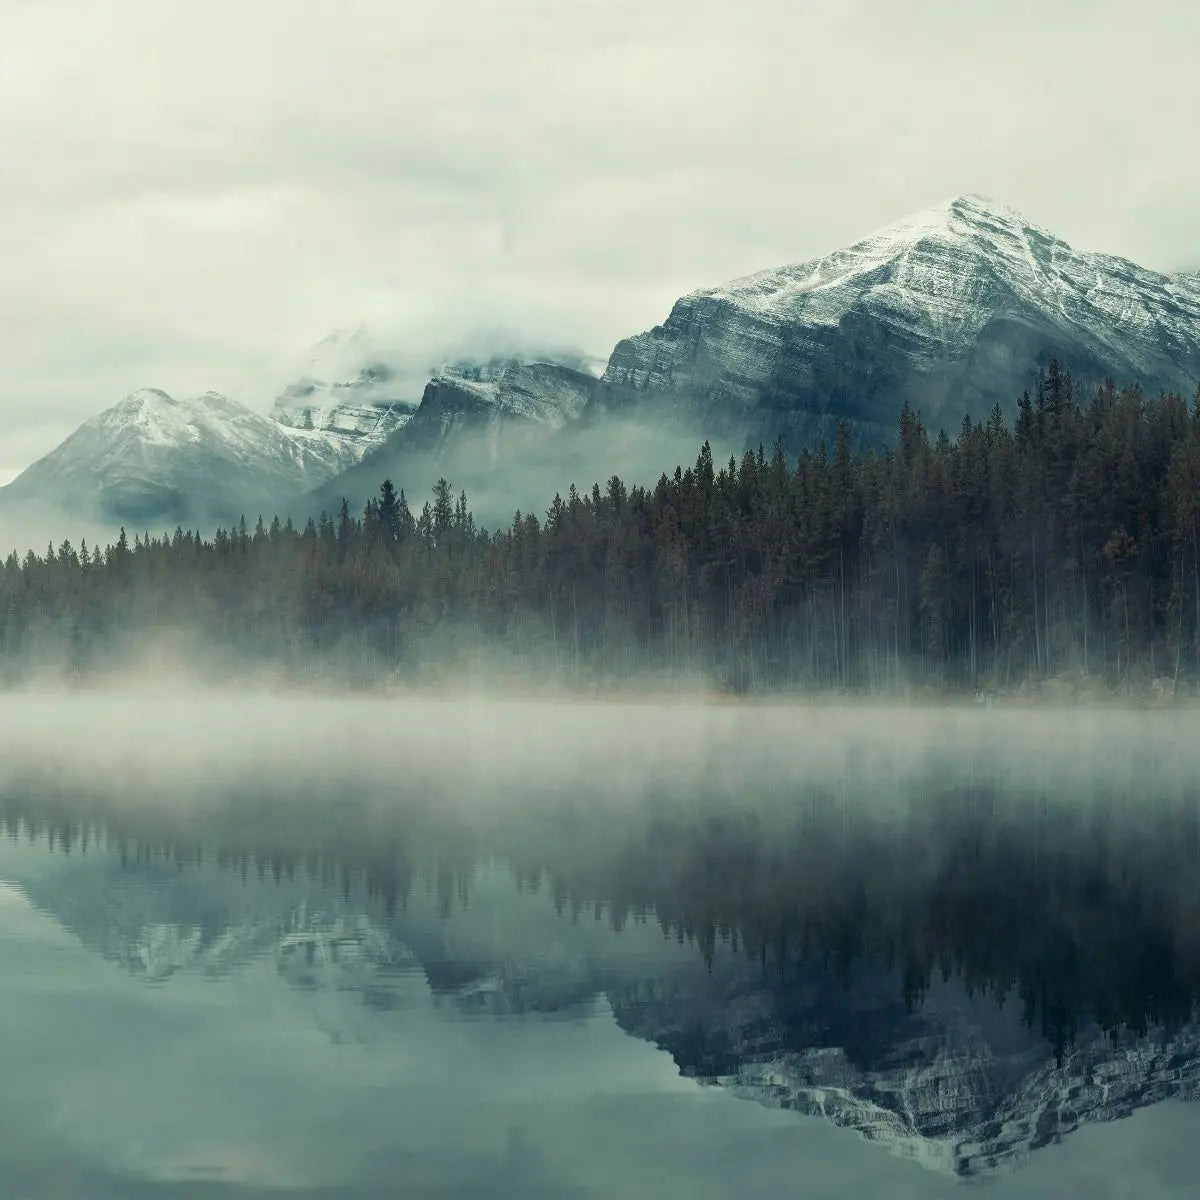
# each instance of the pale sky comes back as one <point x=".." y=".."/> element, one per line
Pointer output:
<point x="192" y="195"/>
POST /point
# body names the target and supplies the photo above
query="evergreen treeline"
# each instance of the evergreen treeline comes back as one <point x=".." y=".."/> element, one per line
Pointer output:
<point x="1068" y="542"/>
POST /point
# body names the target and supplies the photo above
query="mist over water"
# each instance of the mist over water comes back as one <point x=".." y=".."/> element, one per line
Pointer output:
<point x="183" y="743"/>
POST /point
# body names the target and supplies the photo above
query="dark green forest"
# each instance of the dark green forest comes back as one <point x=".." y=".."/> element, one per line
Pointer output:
<point x="1065" y="543"/>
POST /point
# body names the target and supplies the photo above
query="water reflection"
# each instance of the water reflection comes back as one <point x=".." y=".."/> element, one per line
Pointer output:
<point x="961" y="967"/>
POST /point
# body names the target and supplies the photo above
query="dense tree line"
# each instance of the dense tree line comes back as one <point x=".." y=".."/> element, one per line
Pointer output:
<point x="1065" y="542"/>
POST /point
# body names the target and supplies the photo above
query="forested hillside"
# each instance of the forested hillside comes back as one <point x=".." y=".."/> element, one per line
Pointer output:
<point x="1066" y="543"/>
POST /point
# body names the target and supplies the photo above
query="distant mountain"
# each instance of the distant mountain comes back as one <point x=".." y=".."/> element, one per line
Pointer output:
<point x="155" y="459"/>
<point x="354" y="416"/>
<point x="953" y="309"/>
<point x="475" y="419"/>
<point x="470" y="396"/>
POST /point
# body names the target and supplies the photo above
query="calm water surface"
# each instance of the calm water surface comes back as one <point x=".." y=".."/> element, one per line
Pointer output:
<point x="841" y="975"/>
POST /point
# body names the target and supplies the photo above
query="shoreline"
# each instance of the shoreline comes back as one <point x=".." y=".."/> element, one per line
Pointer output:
<point x="1056" y="693"/>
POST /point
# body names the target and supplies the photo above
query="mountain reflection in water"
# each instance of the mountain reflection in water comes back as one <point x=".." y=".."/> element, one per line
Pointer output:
<point x="963" y="963"/>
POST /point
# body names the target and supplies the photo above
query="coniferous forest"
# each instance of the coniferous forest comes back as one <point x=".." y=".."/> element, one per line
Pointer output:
<point x="1065" y="543"/>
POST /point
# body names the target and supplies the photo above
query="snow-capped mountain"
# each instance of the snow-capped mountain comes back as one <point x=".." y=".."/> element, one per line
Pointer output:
<point x="953" y="309"/>
<point x="153" y="458"/>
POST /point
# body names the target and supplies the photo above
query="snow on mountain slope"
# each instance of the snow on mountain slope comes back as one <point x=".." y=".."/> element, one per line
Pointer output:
<point x="350" y="394"/>
<point x="953" y="308"/>
<point x="350" y="417"/>
<point x="357" y="390"/>
<point x="486" y="400"/>
<point x="548" y="393"/>
<point x="155" y="458"/>
<point x="474" y="418"/>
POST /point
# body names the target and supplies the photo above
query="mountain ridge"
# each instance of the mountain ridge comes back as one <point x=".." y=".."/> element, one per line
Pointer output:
<point x="153" y="457"/>
<point x="953" y="309"/>
<point x="473" y="418"/>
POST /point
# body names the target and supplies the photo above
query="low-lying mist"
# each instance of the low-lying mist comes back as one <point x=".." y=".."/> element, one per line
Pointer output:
<point x="32" y="525"/>
<point x="514" y="465"/>
<point x="166" y="746"/>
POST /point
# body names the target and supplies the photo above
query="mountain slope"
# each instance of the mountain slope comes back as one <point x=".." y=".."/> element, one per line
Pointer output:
<point x="152" y="458"/>
<point x="352" y="417"/>
<point x="474" y="419"/>
<point x="953" y="309"/>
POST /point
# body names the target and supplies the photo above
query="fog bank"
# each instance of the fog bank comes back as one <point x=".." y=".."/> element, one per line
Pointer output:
<point x="170" y="747"/>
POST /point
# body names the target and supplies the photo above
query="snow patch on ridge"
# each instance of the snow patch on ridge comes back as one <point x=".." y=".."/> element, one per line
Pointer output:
<point x="919" y="257"/>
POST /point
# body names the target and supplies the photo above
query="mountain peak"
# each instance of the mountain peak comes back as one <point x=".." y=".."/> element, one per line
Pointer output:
<point x="155" y="457"/>
<point x="961" y="227"/>
<point x="969" y="205"/>
<point x="977" y="202"/>
<point x="952" y="308"/>
<point x="980" y="212"/>
<point x="966" y="217"/>
<point x="142" y="397"/>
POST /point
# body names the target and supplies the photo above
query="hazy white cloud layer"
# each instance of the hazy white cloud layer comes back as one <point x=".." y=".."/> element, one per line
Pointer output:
<point x="191" y="195"/>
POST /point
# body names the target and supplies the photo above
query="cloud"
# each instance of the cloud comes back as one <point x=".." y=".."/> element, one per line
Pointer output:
<point x="189" y="198"/>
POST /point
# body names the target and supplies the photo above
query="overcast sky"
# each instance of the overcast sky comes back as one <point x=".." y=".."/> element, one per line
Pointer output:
<point x="192" y="195"/>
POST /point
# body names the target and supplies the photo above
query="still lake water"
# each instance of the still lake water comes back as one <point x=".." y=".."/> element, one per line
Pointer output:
<point x="286" y="948"/>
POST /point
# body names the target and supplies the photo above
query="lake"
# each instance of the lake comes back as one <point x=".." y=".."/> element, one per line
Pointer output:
<point x="265" y="946"/>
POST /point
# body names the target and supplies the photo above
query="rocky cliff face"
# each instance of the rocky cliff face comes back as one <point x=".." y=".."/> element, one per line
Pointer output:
<point x="486" y="397"/>
<point x="953" y="310"/>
